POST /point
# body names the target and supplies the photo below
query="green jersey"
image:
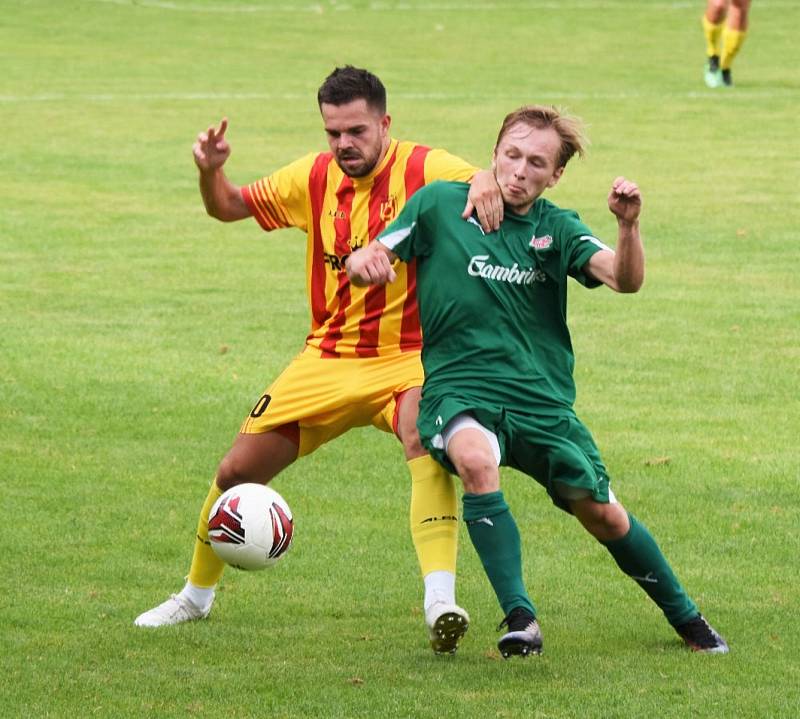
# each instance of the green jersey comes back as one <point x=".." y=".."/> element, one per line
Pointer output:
<point x="493" y="307"/>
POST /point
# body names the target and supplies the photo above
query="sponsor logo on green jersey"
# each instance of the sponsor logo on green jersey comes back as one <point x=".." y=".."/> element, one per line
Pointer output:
<point x="515" y="275"/>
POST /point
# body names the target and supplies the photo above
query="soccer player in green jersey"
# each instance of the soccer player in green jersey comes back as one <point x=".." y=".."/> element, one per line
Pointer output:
<point x="498" y="360"/>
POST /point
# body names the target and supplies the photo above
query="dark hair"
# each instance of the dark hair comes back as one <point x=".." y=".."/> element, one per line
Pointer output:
<point x="349" y="83"/>
<point x="569" y="129"/>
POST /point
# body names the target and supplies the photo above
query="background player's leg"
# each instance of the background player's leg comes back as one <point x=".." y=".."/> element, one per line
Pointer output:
<point x="733" y="37"/>
<point x="252" y="458"/>
<point x="713" y="23"/>
<point x="716" y="10"/>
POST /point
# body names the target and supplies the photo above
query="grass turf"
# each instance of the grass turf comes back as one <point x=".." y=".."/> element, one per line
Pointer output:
<point x="135" y="334"/>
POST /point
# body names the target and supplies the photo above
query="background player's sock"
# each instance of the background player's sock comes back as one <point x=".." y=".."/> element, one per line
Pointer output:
<point x="638" y="555"/>
<point x="712" y="31"/>
<point x="732" y="41"/>
<point x="496" y="539"/>
<point x="433" y="520"/>
<point x="207" y="567"/>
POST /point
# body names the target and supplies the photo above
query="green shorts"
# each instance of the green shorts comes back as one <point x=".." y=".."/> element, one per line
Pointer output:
<point x="553" y="449"/>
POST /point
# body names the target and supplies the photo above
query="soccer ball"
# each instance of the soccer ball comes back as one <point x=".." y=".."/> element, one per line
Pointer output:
<point x="250" y="526"/>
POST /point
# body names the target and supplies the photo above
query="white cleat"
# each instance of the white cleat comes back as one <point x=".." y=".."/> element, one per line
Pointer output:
<point x="175" y="610"/>
<point x="447" y="623"/>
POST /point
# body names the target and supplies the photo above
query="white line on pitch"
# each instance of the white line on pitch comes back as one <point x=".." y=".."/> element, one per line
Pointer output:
<point x="56" y="97"/>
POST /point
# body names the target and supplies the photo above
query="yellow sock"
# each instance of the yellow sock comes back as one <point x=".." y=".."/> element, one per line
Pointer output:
<point x="712" y="32"/>
<point x="434" y="515"/>
<point x="207" y="567"/>
<point x="732" y="40"/>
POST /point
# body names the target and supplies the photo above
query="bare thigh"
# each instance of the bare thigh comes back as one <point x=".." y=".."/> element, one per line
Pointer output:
<point x="255" y="458"/>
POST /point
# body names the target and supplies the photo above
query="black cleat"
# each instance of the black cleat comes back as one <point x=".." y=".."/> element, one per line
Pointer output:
<point x="523" y="636"/>
<point x="700" y="636"/>
<point x="727" y="80"/>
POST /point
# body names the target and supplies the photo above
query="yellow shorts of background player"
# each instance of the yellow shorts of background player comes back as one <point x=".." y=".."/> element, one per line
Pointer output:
<point x="328" y="397"/>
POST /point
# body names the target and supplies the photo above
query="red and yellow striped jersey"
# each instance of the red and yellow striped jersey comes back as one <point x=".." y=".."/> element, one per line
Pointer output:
<point x="340" y="214"/>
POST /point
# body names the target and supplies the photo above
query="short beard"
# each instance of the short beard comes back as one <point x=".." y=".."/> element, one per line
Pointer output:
<point x="368" y="164"/>
<point x="363" y="171"/>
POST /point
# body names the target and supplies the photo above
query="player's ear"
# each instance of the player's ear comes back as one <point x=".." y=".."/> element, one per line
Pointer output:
<point x="386" y="123"/>
<point x="556" y="176"/>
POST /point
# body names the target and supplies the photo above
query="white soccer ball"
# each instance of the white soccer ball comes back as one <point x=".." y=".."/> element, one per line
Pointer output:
<point x="250" y="526"/>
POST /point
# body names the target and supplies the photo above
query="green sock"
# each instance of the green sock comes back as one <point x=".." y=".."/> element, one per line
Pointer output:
<point x="638" y="555"/>
<point x="495" y="536"/>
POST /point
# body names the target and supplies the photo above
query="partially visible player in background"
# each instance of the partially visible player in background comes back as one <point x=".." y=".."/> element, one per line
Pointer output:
<point x="361" y="361"/>
<point x="718" y="63"/>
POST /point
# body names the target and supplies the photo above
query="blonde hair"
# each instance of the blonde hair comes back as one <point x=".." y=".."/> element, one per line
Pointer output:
<point x="570" y="129"/>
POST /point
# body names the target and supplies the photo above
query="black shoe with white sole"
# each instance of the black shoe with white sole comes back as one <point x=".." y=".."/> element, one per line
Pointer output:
<point x="701" y="637"/>
<point x="523" y="637"/>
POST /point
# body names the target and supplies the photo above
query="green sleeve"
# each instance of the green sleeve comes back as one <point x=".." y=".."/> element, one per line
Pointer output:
<point x="578" y="244"/>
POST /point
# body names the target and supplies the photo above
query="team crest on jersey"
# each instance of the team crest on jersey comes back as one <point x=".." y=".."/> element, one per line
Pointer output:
<point x="541" y="243"/>
<point x="388" y="209"/>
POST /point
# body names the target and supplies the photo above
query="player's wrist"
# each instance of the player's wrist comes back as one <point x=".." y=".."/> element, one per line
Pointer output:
<point x="624" y="224"/>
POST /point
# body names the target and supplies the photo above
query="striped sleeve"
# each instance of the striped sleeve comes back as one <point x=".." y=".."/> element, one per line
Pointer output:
<point x="281" y="199"/>
<point x="441" y="165"/>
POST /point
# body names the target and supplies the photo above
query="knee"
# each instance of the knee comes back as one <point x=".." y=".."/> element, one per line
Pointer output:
<point x="715" y="11"/>
<point x="412" y="445"/>
<point x="605" y="522"/>
<point x="232" y="471"/>
<point x="407" y="433"/>
<point x="478" y="470"/>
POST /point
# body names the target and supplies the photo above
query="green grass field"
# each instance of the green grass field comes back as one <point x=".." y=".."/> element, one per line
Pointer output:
<point x="135" y="333"/>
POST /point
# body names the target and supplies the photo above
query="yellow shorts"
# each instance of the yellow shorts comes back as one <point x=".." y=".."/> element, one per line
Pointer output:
<point x="326" y="397"/>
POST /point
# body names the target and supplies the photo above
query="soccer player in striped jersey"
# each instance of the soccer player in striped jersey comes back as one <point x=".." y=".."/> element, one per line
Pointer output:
<point x="361" y="361"/>
<point x="717" y="71"/>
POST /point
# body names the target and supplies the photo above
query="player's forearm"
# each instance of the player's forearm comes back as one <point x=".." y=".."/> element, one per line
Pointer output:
<point x="371" y="265"/>
<point x="629" y="258"/>
<point x="222" y="199"/>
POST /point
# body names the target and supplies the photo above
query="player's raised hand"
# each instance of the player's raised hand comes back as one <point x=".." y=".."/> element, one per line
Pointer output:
<point x="212" y="149"/>
<point x="486" y="200"/>
<point x="625" y="200"/>
<point x="370" y="266"/>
